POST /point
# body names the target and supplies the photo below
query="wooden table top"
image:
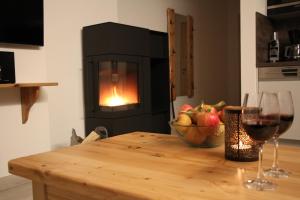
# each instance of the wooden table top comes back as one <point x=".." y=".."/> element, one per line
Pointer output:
<point x="155" y="166"/>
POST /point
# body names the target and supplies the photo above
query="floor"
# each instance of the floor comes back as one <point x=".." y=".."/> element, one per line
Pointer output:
<point x="15" y="188"/>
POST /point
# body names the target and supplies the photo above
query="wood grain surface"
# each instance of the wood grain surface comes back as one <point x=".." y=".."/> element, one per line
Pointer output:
<point x="22" y="85"/>
<point x="151" y="166"/>
<point x="190" y="56"/>
<point x="172" y="50"/>
<point x="29" y="93"/>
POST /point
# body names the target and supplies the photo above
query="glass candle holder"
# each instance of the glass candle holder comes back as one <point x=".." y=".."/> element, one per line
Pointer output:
<point x="238" y="145"/>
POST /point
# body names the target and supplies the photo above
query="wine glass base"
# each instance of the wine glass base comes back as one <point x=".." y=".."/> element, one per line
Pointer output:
<point x="276" y="173"/>
<point x="260" y="185"/>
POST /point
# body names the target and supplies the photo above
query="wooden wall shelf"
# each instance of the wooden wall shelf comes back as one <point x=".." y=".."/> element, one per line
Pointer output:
<point x="29" y="94"/>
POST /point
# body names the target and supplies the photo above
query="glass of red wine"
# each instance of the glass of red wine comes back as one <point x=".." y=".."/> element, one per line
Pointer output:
<point x="260" y="119"/>
<point x="286" y="119"/>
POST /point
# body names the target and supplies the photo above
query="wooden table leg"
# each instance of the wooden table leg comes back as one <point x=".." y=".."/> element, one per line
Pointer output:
<point x="39" y="191"/>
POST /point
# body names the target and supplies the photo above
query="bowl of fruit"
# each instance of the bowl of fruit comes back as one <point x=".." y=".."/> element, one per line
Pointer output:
<point x="200" y="126"/>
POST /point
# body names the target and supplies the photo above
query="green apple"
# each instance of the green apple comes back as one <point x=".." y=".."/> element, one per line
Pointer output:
<point x="182" y="123"/>
<point x="194" y="136"/>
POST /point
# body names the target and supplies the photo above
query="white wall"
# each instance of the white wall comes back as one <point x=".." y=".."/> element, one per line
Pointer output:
<point x="208" y="26"/>
<point x="17" y="139"/>
<point x="233" y="52"/>
<point x="153" y="15"/>
<point x="64" y="20"/>
<point x="60" y="108"/>
<point x="211" y="69"/>
<point x="249" y="80"/>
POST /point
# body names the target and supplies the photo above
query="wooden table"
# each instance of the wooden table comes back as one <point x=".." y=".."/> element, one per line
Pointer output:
<point x="149" y="166"/>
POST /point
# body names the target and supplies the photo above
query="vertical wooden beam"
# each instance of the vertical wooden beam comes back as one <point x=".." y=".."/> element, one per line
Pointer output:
<point x="183" y="62"/>
<point x="190" y="57"/>
<point x="172" y="52"/>
<point x="29" y="95"/>
<point x="39" y="191"/>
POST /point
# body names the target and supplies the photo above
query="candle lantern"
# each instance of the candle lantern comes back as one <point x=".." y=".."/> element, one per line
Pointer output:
<point x="238" y="145"/>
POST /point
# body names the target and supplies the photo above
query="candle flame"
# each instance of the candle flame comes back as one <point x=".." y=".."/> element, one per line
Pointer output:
<point x="241" y="146"/>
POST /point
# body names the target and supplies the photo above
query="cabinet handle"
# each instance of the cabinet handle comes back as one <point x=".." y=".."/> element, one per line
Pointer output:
<point x="289" y="70"/>
<point x="292" y="72"/>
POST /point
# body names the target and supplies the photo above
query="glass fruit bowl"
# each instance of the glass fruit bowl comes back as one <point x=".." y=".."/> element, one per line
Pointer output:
<point x="200" y="136"/>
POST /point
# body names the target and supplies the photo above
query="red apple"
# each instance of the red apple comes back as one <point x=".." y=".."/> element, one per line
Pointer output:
<point x="222" y="115"/>
<point x="207" y="119"/>
<point x="185" y="108"/>
<point x="208" y="122"/>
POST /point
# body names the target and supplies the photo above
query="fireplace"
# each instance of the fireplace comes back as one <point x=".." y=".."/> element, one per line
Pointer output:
<point x="126" y="75"/>
<point x="118" y="85"/>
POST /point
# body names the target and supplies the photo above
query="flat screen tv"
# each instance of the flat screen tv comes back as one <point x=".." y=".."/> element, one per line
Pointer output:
<point x="22" y="22"/>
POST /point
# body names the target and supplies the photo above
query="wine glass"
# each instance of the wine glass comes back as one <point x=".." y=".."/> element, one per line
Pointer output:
<point x="286" y="120"/>
<point x="260" y="119"/>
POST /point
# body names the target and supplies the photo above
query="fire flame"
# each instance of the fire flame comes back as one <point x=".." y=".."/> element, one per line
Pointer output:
<point x="115" y="99"/>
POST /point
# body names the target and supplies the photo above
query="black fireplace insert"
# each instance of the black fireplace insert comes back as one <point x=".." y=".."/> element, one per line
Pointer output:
<point x="126" y="79"/>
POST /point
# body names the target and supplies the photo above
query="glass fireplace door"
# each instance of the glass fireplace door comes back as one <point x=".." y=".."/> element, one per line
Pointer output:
<point x="118" y="85"/>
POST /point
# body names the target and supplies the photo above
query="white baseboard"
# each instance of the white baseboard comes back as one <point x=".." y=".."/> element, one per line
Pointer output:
<point x="11" y="181"/>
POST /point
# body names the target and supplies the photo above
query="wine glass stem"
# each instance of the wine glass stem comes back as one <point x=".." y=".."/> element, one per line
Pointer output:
<point x="275" y="160"/>
<point x="260" y="157"/>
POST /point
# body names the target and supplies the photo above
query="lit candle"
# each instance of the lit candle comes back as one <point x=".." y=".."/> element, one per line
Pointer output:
<point x="241" y="146"/>
<point x="238" y="145"/>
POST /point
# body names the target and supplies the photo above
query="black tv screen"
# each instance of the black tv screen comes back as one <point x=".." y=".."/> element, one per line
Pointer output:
<point x="22" y="22"/>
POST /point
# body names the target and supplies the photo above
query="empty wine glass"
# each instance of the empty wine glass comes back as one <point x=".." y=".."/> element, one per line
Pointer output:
<point x="260" y="119"/>
<point x="286" y="120"/>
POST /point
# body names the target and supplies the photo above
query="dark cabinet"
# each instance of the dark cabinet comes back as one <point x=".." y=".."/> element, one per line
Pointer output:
<point x="265" y="27"/>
